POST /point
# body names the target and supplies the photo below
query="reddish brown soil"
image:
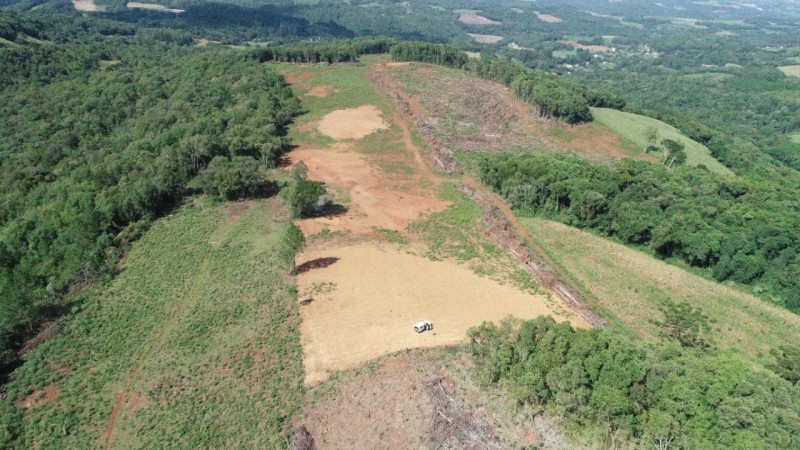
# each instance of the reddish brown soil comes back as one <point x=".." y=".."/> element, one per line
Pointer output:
<point x="38" y="397"/>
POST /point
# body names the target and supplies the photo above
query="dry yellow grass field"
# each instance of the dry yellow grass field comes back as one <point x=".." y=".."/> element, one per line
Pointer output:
<point x="631" y="285"/>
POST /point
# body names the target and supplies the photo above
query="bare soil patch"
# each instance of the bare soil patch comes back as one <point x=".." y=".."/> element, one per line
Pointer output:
<point x="474" y="19"/>
<point x="486" y="38"/>
<point x="87" y="6"/>
<point x="319" y="91"/>
<point x="376" y="199"/>
<point x="792" y="71"/>
<point x="547" y="18"/>
<point x="352" y="123"/>
<point x="38" y="397"/>
<point x="381" y="291"/>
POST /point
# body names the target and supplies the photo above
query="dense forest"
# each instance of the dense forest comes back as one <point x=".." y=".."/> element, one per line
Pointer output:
<point x="98" y="139"/>
<point x="738" y="229"/>
<point x="666" y="396"/>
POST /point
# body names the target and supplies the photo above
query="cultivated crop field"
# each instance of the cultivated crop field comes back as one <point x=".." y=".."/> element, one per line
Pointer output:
<point x="631" y="285"/>
<point x="633" y="128"/>
<point x="194" y="345"/>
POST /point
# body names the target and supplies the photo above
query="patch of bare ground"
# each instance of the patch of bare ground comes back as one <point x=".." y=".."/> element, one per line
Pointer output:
<point x="87" y="6"/>
<point x="473" y="55"/>
<point x="486" y="38"/>
<point x="547" y="18"/>
<point x="319" y="91"/>
<point x="469" y="114"/>
<point x="377" y="292"/>
<point x="376" y="198"/>
<point x="352" y="123"/>
<point x="422" y="399"/>
<point x="590" y="48"/>
<point x="38" y="397"/>
<point x="297" y="77"/>
<point x="474" y="19"/>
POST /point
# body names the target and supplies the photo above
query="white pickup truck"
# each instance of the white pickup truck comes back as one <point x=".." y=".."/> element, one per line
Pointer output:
<point x="423" y="325"/>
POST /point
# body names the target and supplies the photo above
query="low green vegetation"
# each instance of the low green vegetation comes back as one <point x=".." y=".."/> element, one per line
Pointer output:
<point x="737" y="229"/>
<point x="632" y="287"/>
<point x="622" y="394"/>
<point x="639" y="130"/>
<point x="89" y="156"/>
<point x="194" y="345"/>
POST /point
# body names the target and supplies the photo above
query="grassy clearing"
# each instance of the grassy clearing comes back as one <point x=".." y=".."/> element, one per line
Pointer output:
<point x="196" y="342"/>
<point x="795" y="137"/>
<point x="631" y="285"/>
<point x="349" y="88"/>
<point x="792" y="71"/>
<point x="457" y="234"/>
<point x="633" y="128"/>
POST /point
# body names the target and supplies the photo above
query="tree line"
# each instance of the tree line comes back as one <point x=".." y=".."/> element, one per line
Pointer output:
<point x="738" y="229"/>
<point x="665" y="396"/>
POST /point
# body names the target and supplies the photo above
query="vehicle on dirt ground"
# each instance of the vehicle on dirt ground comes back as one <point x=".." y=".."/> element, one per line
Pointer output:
<point x="423" y="325"/>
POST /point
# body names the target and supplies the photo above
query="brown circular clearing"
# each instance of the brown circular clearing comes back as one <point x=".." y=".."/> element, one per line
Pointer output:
<point x="352" y="123"/>
<point x="365" y="304"/>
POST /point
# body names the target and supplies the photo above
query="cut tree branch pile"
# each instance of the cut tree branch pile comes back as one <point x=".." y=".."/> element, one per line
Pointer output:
<point x="453" y="422"/>
<point x="442" y="155"/>
<point x="503" y="234"/>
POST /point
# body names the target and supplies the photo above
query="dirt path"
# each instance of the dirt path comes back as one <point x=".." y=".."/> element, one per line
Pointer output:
<point x="413" y="110"/>
<point x="402" y="123"/>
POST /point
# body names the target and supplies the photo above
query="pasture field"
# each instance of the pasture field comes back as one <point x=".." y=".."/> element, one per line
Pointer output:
<point x="195" y="344"/>
<point x="633" y="128"/>
<point x="631" y="286"/>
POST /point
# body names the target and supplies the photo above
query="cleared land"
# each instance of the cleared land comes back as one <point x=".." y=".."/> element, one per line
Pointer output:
<point x="468" y="114"/>
<point x="195" y="344"/>
<point x="547" y="18"/>
<point x="87" y="6"/>
<point x="352" y="123"/>
<point x="364" y="304"/>
<point x="633" y="127"/>
<point x="153" y="6"/>
<point x="364" y="292"/>
<point x="631" y="285"/>
<point x="486" y="38"/>
<point x="351" y="411"/>
<point x="474" y="19"/>
<point x="792" y="71"/>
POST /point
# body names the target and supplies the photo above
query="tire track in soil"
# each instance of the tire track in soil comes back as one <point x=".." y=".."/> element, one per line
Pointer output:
<point x="496" y="200"/>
